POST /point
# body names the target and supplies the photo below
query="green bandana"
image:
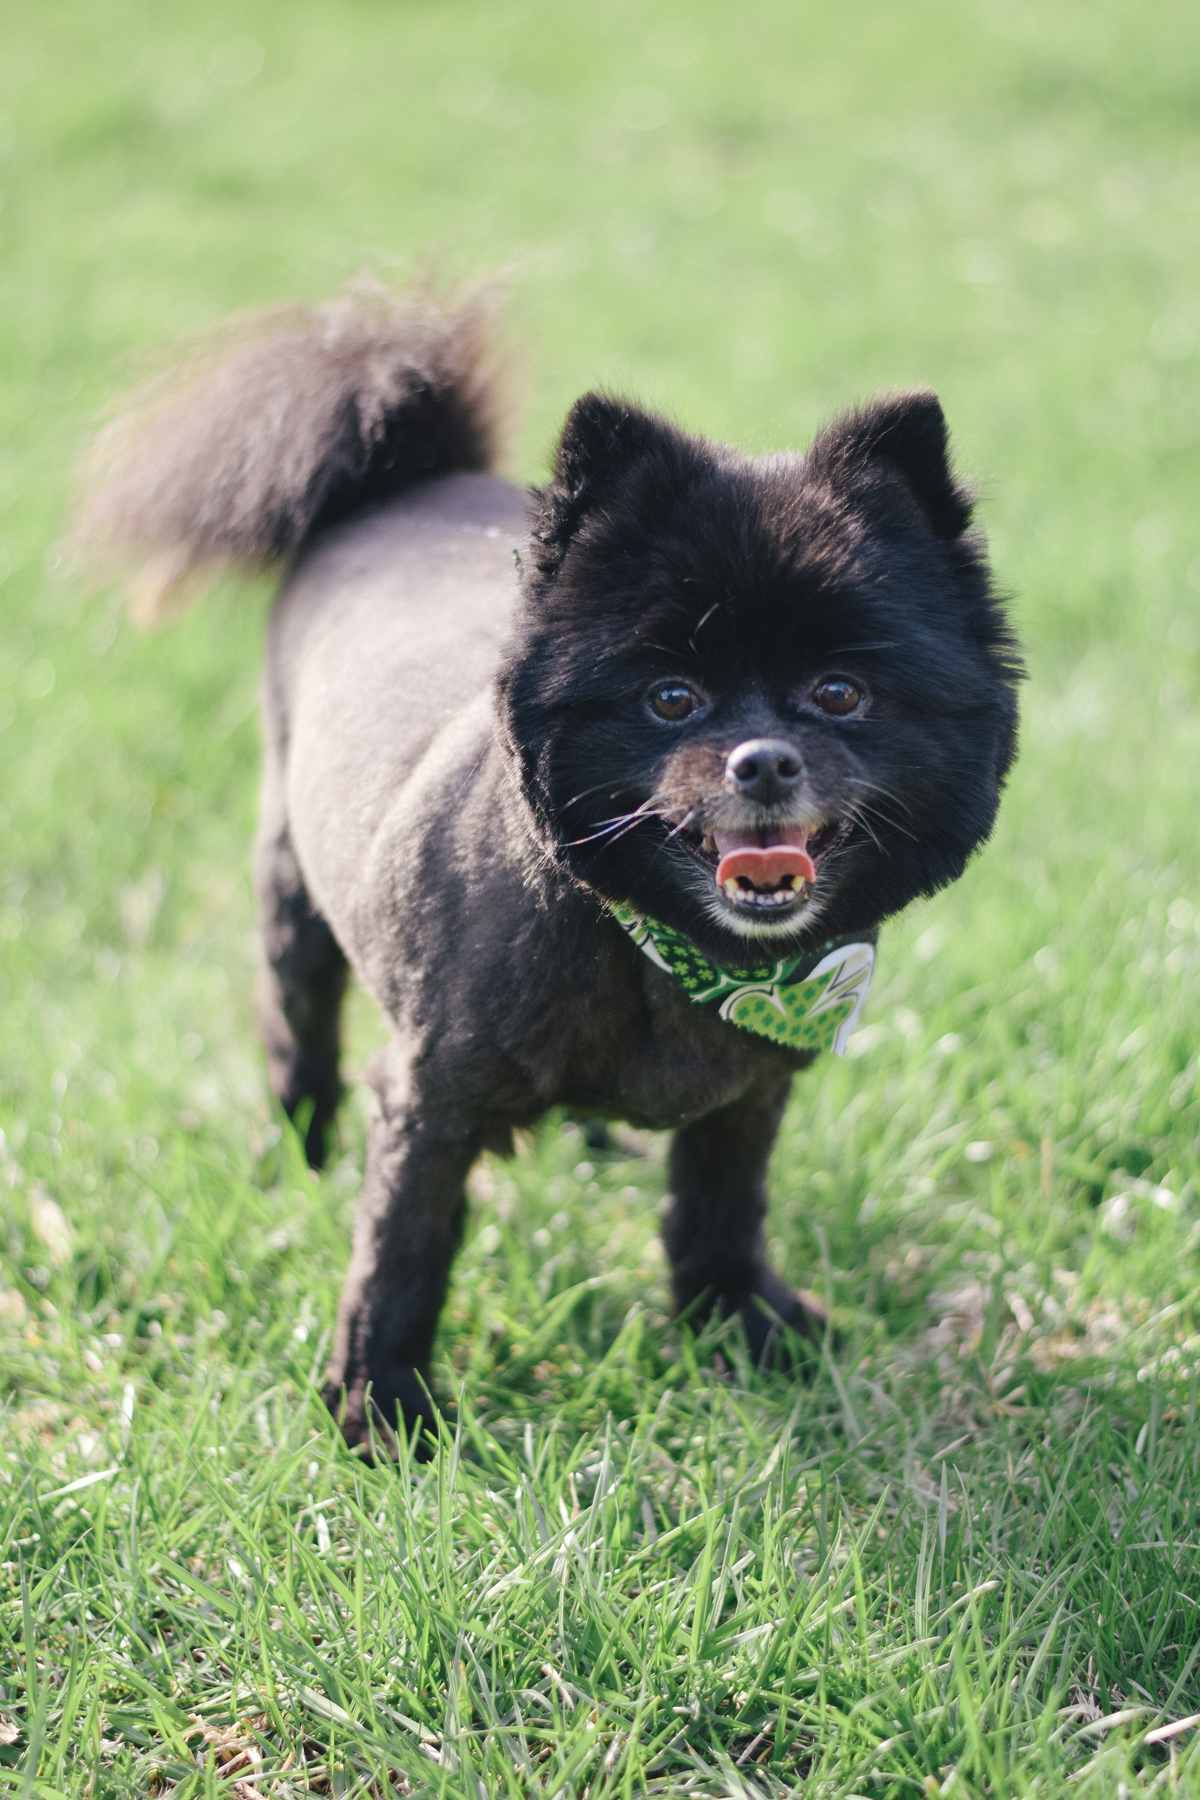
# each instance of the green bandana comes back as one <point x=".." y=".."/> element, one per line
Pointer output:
<point x="816" y="1013"/>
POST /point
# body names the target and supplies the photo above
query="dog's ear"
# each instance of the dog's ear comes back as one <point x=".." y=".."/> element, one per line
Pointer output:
<point x="906" y="434"/>
<point x="602" y="440"/>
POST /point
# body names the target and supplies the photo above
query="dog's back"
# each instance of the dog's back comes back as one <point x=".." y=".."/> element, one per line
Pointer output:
<point x="383" y="637"/>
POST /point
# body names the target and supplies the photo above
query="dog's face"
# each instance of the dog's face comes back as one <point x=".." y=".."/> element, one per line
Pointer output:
<point x="769" y="701"/>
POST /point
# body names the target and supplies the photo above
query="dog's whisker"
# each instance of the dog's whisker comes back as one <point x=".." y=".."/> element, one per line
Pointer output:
<point x="889" y="807"/>
<point x="859" y="818"/>
<point x="623" y="822"/>
<point x="586" y="794"/>
<point x="853" y="649"/>
<point x="700" y="627"/>
<point x="684" y="823"/>
<point x="863" y="815"/>
<point x="863" y="809"/>
<point x="882" y="791"/>
<point x="607" y="826"/>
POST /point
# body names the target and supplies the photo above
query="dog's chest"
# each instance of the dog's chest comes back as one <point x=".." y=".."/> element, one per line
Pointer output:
<point x="634" y="1046"/>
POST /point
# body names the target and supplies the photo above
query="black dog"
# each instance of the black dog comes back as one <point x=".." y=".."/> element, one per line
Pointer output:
<point x="602" y="791"/>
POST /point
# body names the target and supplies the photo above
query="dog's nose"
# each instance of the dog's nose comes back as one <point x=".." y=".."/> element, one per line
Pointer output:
<point x="764" y="769"/>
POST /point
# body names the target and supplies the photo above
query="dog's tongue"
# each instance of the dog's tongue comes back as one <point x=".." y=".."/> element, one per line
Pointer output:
<point x="765" y="866"/>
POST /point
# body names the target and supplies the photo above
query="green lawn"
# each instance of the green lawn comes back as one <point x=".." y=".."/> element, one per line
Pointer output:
<point x="965" y="1558"/>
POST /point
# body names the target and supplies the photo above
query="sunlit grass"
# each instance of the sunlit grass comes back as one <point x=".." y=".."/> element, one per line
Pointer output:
<point x="963" y="1557"/>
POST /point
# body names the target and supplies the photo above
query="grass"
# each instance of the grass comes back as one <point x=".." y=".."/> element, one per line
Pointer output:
<point x="963" y="1558"/>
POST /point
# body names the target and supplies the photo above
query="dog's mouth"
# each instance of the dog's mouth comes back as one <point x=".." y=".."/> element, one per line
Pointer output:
<point x="765" y="870"/>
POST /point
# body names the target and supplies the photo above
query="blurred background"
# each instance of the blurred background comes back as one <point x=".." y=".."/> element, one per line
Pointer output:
<point x="748" y="216"/>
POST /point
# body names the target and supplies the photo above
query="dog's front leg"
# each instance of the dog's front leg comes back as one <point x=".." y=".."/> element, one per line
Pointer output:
<point x="408" y="1226"/>
<point x="713" y="1231"/>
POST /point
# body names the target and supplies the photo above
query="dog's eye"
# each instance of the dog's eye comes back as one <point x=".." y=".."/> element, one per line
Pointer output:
<point x="838" y="697"/>
<point x="673" y="701"/>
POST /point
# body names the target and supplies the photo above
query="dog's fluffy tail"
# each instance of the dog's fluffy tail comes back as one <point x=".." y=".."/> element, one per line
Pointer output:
<point x="279" y="424"/>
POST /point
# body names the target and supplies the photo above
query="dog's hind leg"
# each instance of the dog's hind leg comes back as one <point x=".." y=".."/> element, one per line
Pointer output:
<point x="408" y="1227"/>
<point x="303" y="984"/>
<point x="713" y="1232"/>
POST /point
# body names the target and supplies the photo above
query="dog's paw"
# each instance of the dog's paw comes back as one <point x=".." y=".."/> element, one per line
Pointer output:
<point x="775" y="1314"/>
<point x="373" y="1416"/>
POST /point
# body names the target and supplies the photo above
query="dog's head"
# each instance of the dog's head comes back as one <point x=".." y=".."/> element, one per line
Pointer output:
<point x="766" y="701"/>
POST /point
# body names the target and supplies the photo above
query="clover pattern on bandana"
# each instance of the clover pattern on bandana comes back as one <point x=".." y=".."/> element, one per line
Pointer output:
<point x="816" y="1013"/>
<point x="783" y="1014"/>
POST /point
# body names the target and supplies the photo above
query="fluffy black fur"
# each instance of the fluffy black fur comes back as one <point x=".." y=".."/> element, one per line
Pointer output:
<point x="258" y="434"/>
<point x="660" y="554"/>
<point x="463" y="770"/>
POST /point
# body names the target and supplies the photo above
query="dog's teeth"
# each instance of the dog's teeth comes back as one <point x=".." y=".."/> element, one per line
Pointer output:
<point x="764" y="899"/>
